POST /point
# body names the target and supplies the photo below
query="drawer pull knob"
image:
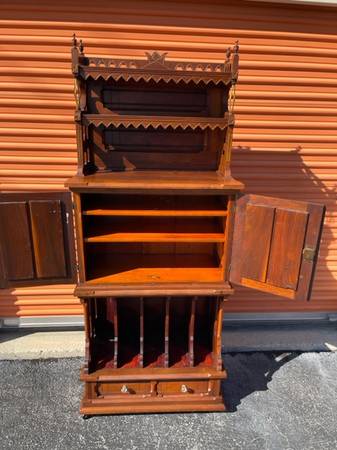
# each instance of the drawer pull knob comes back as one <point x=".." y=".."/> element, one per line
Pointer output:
<point x="125" y="389"/>
<point x="184" y="389"/>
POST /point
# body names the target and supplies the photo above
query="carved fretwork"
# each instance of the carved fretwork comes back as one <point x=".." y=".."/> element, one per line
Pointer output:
<point x="155" y="67"/>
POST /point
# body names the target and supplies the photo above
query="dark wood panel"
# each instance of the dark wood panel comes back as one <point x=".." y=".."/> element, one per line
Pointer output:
<point x="131" y="149"/>
<point x="257" y="240"/>
<point x="286" y="249"/>
<point x="142" y="98"/>
<point x="48" y="239"/>
<point x="16" y="241"/>
<point x="153" y="141"/>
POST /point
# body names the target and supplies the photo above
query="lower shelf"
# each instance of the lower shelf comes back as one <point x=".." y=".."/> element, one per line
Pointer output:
<point x="162" y="275"/>
<point x="177" y="373"/>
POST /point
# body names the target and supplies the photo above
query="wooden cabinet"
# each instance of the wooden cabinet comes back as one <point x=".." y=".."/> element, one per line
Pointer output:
<point x="163" y="231"/>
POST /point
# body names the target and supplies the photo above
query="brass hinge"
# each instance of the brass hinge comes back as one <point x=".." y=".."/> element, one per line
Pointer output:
<point x="309" y="254"/>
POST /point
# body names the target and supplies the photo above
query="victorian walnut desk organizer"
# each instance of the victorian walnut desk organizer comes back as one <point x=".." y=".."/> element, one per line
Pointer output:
<point x="163" y="231"/>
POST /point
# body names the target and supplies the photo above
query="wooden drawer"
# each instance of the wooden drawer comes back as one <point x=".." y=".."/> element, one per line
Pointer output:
<point x="125" y="389"/>
<point x="183" y="387"/>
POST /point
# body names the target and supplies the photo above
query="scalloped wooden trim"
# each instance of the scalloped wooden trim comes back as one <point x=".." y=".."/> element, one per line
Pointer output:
<point x="137" y="75"/>
<point x="158" y="121"/>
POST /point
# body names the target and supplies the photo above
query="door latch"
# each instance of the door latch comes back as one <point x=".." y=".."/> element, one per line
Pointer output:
<point x="309" y="254"/>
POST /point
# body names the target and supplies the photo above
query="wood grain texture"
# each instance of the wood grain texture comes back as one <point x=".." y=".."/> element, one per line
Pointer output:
<point x="37" y="238"/>
<point x="160" y="180"/>
<point x="151" y="289"/>
<point x="161" y="275"/>
<point x="296" y="225"/>
<point x="257" y="241"/>
<point x="286" y="250"/>
<point x="157" y="237"/>
<point x="16" y="241"/>
<point x="142" y="406"/>
<point x="48" y="238"/>
<point x="154" y="373"/>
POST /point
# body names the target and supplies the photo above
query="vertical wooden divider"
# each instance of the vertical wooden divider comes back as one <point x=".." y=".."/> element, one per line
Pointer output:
<point x="217" y="360"/>
<point x="191" y="332"/>
<point x="88" y="335"/>
<point x="167" y="331"/>
<point x="94" y="313"/>
<point x="90" y="322"/>
<point x="227" y="245"/>
<point x="115" y="317"/>
<point x="111" y="317"/>
<point x="141" y="332"/>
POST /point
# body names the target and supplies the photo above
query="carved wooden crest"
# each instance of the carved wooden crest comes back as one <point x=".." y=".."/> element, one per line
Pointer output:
<point x="155" y="67"/>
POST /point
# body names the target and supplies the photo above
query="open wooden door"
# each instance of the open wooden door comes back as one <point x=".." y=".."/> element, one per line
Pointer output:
<point x="275" y="245"/>
<point x="36" y="239"/>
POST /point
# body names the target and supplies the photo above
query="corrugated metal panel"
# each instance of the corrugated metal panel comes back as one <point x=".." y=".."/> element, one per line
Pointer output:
<point x="286" y="133"/>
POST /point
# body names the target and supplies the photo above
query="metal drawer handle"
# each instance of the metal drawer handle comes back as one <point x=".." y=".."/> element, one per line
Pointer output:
<point x="125" y="389"/>
<point x="185" y="389"/>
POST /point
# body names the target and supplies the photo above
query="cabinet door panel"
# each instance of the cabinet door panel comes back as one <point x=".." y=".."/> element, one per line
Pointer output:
<point x="290" y="228"/>
<point x="275" y="245"/>
<point x="48" y="238"/>
<point x="16" y="242"/>
<point x="259" y="220"/>
<point x="36" y="239"/>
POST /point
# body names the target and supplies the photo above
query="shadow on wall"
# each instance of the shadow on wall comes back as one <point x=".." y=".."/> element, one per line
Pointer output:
<point x="248" y="373"/>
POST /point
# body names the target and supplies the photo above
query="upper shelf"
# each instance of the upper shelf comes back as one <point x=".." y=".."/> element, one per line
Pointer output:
<point x="174" y="122"/>
<point x="149" y="180"/>
<point x="155" y="68"/>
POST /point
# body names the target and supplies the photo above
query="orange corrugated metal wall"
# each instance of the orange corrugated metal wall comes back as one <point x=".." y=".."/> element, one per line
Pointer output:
<point x="286" y="132"/>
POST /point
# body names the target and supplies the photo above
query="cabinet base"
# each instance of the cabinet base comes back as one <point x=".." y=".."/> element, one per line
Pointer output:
<point x="167" y="405"/>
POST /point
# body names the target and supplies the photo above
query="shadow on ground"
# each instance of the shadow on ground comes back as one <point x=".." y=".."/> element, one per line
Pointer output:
<point x="280" y="401"/>
<point x="250" y="372"/>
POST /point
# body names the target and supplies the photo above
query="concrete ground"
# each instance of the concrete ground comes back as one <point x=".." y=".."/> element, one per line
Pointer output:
<point x="275" y="401"/>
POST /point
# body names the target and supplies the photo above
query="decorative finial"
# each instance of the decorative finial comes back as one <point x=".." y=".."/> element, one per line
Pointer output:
<point x="236" y="47"/>
<point x="228" y="54"/>
<point x="74" y="40"/>
<point x="81" y="47"/>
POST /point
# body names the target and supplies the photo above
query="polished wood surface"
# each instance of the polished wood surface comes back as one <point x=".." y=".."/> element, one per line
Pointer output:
<point x="153" y="113"/>
<point x="36" y="239"/>
<point x="289" y="236"/>
<point x="162" y="227"/>
<point x="147" y="181"/>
